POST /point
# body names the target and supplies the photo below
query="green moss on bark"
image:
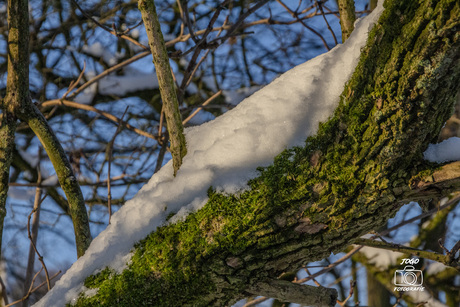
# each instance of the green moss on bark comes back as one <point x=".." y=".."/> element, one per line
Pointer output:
<point x="347" y="180"/>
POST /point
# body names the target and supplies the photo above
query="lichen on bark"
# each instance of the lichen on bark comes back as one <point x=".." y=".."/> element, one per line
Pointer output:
<point x="313" y="200"/>
<point x="165" y="81"/>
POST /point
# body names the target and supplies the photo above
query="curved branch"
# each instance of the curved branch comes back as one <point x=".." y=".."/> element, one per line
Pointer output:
<point x="66" y="177"/>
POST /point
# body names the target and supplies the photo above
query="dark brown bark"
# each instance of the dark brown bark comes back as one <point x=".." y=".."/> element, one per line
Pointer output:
<point x="363" y="164"/>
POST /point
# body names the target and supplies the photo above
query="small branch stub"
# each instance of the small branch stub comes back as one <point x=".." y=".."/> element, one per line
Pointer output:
<point x="284" y="290"/>
<point x="165" y="81"/>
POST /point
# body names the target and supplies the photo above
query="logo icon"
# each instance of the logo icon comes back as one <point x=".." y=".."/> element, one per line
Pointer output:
<point x="409" y="277"/>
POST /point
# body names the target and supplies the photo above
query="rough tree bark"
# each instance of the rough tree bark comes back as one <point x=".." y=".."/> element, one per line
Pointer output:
<point x="363" y="164"/>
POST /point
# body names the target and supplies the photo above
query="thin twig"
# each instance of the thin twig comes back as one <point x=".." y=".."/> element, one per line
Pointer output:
<point x="256" y="301"/>
<point x="325" y="19"/>
<point x="294" y="15"/>
<point x="161" y="154"/>
<point x="109" y="157"/>
<point x="350" y="294"/>
<point x="74" y="84"/>
<point x="34" y="234"/>
<point x="40" y="257"/>
<point x="454" y="251"/>
<point x="190" y="76"/>
<point x="454" y="200"/>
<point x="209" y="100"/>
<point x="187" y="21"/>
<point x="160" y="126"/>
<point x="29" y="291"/>
<point x="444" y="259"/>
<point x="332" y="265"/>
<point x="232" y="29"/>
<point x="34" y="289"/>
<point x="113" y="32"/>
<point x="107" y="115"/>
<point x="108" y="71"/>
<point x="314" y="279"/>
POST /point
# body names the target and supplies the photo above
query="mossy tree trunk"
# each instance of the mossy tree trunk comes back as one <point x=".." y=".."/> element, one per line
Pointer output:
<point x="362" y="165"/>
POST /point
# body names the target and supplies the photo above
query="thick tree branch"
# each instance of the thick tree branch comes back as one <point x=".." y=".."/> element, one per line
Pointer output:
<point x="18" y="103"/>
<point x="346" y="181"/>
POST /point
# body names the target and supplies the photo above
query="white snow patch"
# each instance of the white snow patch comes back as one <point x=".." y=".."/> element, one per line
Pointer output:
<point x="51" y="180"/>
<point x="89" y="292"/>
<point x="31" y="159"/>
<point x="447" y="150"/>
<point x="381" y="258"/>
<point x="132" y="80"/>
<point x="435" y="268"/>
<point x="21" y="193"/>
<point x="99" y="51"/>
<point x="87" y="96"/>
<point x="425" y="297"/>
<point x="224" y="153"/>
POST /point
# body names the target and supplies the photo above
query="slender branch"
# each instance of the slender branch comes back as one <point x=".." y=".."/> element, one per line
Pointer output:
<point x="231" y="30"/>
<point x="33" y="240"/>
<point x="444" y="259"/>
<point x="296" y="16"/>
<point x="109" y="158"/>
<point x="209" y="100"/>
<point x="166" y="82"/>
<point x="350" y="294"/>
<point x="347" y="17"/>
<point x="372" y="4"/>
<point x="108" y="71"/>
<point x="325" y="20"/>
<point x="34" y="289"/>
<point x="16" y="89"/>
<point x="67" y="179"/>
<point x="7" y="130"/>
<point x="161" y="154"/>
<point x="74" y="84"/>
<point x="113" y="32"/>
<point x="33" y="235"/>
